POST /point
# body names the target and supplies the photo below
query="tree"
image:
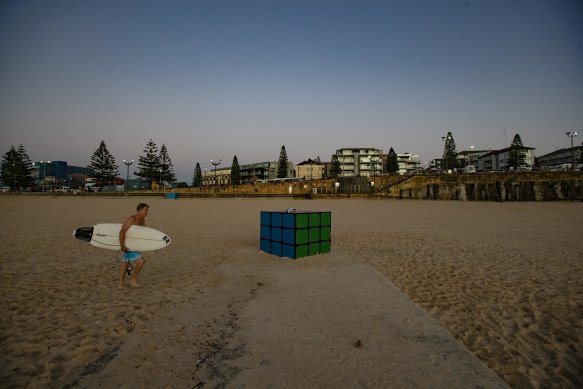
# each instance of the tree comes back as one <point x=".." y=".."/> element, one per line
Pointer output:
<point x="197" y="179"/>
<point x="517" y="153"/>
<point x="449" y="152"/>
<point x="166" y="168"/>
<point x="149" y="163"/>
<point x="16" y="168"/>
<point x="102" y="166"/>
<point x="24" y="177"/>
<point x="282" y="165"/>
<point x="335" y="170"/>
<point x="235" y="171"/>
<point x="392" y="162"/>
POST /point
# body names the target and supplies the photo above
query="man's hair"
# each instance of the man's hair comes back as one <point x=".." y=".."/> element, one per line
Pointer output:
<point x="142" y="205"/>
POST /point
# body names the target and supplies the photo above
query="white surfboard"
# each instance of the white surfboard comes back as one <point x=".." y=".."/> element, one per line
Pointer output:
<point x="106" y="236"/>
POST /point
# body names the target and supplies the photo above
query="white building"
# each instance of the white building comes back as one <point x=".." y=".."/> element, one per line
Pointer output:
<point x="408" y="163"/>
<point x="310" y="170"/>
<point x="497" y="160"/>
<point x="355" y="162"/>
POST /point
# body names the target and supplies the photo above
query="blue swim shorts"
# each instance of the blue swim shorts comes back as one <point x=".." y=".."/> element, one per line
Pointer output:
<point x="130" y="256"/>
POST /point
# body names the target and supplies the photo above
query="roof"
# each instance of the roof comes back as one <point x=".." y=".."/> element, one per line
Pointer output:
<point x="495" y="152"/>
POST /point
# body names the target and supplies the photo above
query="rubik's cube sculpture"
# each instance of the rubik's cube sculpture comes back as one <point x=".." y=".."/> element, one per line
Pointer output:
<point x="295" y="234"/>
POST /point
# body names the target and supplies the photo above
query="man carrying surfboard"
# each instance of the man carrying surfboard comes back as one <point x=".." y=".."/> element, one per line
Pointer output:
<point x="133" y="258"/>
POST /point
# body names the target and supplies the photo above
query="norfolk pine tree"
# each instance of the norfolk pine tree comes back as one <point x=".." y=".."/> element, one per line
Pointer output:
<point x="197" y="179"/>
<point x="335" y="170"/>
<point x="166" y="165"/>
<point x="102" y="166"/>
<point x="149" y="163"/>
<point x="16" y="168"/>
<point x="392" y="162"/>
<point x="449" y="152"/>
<point x="25" y="172"/>
<point x="235" y="172"/>
<point x="282" y="165"/>
<point x="516" y="154"/>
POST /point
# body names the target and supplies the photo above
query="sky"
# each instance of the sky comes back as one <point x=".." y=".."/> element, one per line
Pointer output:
<point x="211" y="79"/>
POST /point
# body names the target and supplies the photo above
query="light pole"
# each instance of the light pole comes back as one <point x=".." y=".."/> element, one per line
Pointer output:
<point x="572" y="134"/>
<point x="215" y="164"/>
<point x="160" y="182"/>
<point x="44" y="164"/>
<point x="13" y="177"/>
<point x="128" y="163"/>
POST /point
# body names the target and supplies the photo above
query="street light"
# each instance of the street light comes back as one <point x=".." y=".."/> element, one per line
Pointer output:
<point x="14" y="177"/>
<point x="44" y="164"/>
<point x="128" y="163"/>
<point x="215" y="164"/>
<point x="572" y="134"/>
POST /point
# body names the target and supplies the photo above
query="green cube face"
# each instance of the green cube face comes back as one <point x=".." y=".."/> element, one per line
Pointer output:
<point x="325" y="218"/>
<point x="302" y="236"/>
<point x="325" y="233"/>
<point x="324" y="247"/>
<point x="314" y="235"/>
<point x="314" y="219"/>
<point x="302" y="220"/>
<point x="301" y="251"/>
<point x="314" y="249"/>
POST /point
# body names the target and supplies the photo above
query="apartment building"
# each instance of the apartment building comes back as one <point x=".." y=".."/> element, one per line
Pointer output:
<point x="262" y="171"/>
<point x="218" y="177"/>
<point x="408" y="163"/>
<point x="497" y="160"/>
<point x="561" y="159"/>
<point x="310" y="170"/>
<point x="356" y="162"/>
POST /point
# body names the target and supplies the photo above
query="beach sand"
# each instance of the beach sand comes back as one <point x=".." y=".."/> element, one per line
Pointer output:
<point x="504" y="279"/>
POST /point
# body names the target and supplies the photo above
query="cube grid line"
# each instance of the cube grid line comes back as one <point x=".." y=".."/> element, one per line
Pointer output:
<point x="296" y="234"/>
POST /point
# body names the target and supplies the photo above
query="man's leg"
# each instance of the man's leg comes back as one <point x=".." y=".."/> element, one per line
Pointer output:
<point x="122" y="274"/>
<point x="137" y="267"/>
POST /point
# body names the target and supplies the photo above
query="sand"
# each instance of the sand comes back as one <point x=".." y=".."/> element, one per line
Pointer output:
<point x="414" y="294"/>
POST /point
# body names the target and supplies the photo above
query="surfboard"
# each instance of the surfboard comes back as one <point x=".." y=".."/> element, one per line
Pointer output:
<point x="106" y="236"/>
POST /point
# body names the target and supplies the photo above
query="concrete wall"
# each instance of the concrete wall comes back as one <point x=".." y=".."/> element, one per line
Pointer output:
<point x="529" y="186"/>
<point x="492" y="187"/>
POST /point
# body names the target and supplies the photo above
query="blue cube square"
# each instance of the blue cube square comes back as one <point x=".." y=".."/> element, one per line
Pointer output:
<point x="289" y="220"/>
<point x="289" y="251"/>
<point x="265" y="232"/>
<point x="265" y="218"/>
<point x="276" y="249"/>
<point x="276" y="219"/>
<point x="289" y="236"/>
<point x="265" y="246"/>
<point x="276" y="234"/>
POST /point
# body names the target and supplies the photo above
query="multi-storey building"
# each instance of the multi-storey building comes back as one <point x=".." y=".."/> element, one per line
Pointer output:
<point x="408" y="163"/>
<point x="216" y="177"/>
<point x="356" y="162"/>
<point x="561" y="159"/>
<point x="310" y="170"/>
<point x="263" y="171"/>
<point x="497" y="160"/>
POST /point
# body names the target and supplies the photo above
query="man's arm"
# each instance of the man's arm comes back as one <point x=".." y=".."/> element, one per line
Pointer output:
<point x="122" y="233"/>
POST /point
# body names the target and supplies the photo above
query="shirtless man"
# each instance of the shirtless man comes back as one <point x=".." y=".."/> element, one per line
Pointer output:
<point x="134" y="257"/>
